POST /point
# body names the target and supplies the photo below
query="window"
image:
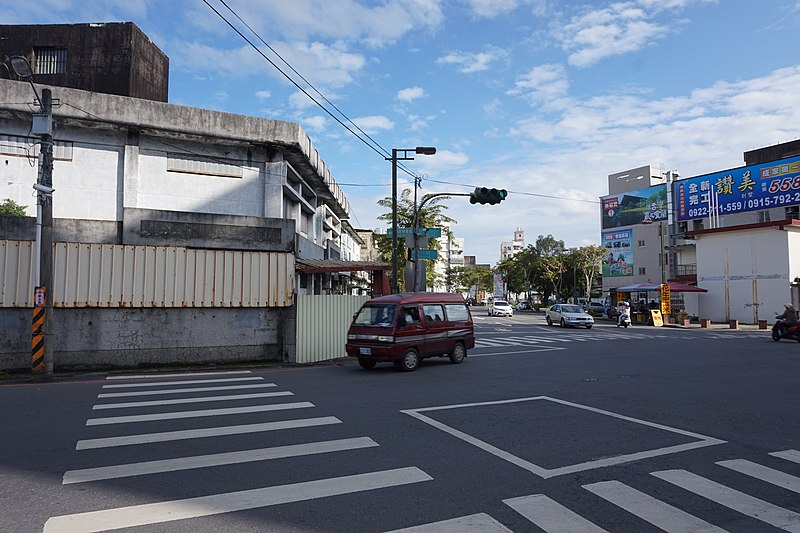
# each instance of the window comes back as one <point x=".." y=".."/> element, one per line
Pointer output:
<point x="641" y="243"/>
<point x="51" y="60"/>
<point x="642" y="271"/>
<point x="456" y="312"/>
<point x="198" y="164"/>
<point x="433" y="313"/>
<point x="29" y="147"/>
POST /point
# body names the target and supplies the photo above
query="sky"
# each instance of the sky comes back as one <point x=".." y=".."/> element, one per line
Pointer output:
<point x="544" y="98"/>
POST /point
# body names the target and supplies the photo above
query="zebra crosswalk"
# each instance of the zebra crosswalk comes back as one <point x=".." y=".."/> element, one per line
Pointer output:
<point x="594" y="336"/>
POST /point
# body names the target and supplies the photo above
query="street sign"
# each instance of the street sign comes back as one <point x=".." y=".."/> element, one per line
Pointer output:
<point x="422" y="232"/>
<point x="427" y="254"/>
<point x="401" y="232"/>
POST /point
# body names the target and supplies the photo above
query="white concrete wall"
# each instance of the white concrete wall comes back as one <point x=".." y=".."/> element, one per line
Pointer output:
<point x="741" y="269"/>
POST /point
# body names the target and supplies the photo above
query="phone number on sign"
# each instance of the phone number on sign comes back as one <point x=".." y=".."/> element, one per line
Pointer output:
<point x="753" y="203"/>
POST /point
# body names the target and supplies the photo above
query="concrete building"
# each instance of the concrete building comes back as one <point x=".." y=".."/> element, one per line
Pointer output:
<point x="509" y="249"/>
<point x="451" y="255"/>
<point x="112" y="58"/>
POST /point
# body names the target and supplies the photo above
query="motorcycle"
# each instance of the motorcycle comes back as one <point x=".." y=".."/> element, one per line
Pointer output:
<point x="781" y="331"/>
<point x="624" y="318"/>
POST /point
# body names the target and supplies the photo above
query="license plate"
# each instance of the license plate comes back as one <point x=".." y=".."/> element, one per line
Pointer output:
<point x="365" y="351"/>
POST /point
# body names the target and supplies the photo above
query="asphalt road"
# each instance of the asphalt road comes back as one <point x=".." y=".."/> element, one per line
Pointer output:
<point x="540" y="429"/>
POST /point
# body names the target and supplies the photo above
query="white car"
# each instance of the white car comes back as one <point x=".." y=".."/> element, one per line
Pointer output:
<point x="568" y="315"/>
<point x="500" y="308"/>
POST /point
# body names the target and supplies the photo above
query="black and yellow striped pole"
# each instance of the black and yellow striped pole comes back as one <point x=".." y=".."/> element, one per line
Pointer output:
<point x="37" y="331"/>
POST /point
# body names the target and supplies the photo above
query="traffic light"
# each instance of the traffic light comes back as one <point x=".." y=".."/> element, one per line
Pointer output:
<point x="483" y="195"/>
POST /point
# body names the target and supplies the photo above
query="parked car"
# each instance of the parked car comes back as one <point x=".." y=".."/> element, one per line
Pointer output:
<point x="500" y="308"/>
<point x="406" y="328"/>
<point x="523" y="306"/>
<point x="568" y="315"/>
<point x="595" y="307"/>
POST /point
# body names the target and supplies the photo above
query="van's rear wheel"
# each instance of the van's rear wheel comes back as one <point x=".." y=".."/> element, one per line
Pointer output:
<point x="410" y="360"/>
<point x="366" y="363"/>
<point x="458" y="354"/>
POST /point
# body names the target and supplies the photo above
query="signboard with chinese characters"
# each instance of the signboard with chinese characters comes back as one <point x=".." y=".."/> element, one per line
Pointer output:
<point x="666" y="304"/>
<point x="618" y="260"/>
<point x="751" y="188"/>
<point x="635" y="207"/>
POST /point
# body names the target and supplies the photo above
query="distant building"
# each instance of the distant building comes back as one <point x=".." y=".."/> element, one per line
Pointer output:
<point x="112" y="58"/>
<point x="510" y="249"/>
<point x="451" y="255"/>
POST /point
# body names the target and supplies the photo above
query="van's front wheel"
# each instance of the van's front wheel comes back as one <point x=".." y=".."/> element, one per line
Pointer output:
<point x="410" y="360"/>
<point x="458" y="354"/>
<point x="366" y="363"/>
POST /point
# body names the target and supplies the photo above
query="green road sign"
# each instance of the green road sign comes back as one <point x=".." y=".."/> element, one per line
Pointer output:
<point x="427" y="254"/>
<point x="422" y="232"/>
<point x="401" y="232"/>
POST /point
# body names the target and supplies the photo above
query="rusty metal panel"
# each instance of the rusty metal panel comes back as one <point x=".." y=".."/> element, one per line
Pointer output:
<point x="322" y="323"/>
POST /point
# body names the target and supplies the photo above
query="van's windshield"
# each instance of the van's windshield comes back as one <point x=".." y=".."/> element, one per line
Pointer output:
<point x="381" y="316"/>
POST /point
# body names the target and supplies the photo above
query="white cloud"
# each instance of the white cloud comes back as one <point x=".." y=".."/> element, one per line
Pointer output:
<point x="470" y="62"/>
<point x="374" y="124"/>
<point x="263" y="95"/>
<point x="543" y="83"/>
<point x="441" y="163"/>
<point x="316" y="123"/>
<point x="410" y="93"/>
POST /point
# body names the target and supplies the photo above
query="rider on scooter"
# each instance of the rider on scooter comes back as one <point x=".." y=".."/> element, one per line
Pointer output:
<point x="789" y="315"/>
<point x="623" y="312"/>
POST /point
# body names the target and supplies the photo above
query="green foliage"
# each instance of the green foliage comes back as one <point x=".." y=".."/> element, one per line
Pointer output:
<point x="10" y="208"/>
<point x="463" y="279"/>
<point x="430" y="216"/>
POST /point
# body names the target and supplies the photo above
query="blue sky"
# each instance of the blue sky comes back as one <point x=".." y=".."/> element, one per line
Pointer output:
<point x="540" y="97"/>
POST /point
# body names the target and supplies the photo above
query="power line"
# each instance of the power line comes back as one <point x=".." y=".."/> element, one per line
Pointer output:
<point x="520" y="192"/>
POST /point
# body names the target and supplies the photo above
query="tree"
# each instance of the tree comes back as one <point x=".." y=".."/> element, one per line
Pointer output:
<point x="430" y="216"/>
<point x="589" y="260"/>
<point x="10" y="208"/>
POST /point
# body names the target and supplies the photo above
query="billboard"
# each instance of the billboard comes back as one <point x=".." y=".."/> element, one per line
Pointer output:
<point x="635" y="207"/>
<point x="751" y="188"/>
<point x="618" y="261"/>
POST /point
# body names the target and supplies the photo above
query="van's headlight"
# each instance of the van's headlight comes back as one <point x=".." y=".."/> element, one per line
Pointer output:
<point x="351" y="337"/>
<point x="385" y="338"/>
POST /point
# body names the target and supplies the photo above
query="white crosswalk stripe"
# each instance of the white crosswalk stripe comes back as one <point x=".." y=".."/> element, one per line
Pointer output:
<point x="204" y="399"/>
<point x="733" y="499"/>
<point x="658" y="513"/>
<point x="764" y="473"/>
<point x="182" y="391"/>
<point x="551" y="516"/>
<point x="476" y="523"/>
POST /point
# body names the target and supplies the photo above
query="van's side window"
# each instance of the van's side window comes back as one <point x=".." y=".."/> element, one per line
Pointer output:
<point x="410" y="315"/>
<point x="456" y="312"/>
<point x="433" y="313"/>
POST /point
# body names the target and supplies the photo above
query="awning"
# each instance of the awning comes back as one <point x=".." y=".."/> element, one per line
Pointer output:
<point x="674" y="286"/>
<point x="316" y="266"/>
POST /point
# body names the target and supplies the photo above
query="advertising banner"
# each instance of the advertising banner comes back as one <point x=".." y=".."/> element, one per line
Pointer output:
<point x="773" y="184"/>
<point x="635" y="207"/>
<point x="666" y="303"/>
<point x="618" y="261"/>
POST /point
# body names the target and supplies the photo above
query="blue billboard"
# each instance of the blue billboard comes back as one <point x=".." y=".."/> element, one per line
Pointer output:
<point x="751" y="188"/>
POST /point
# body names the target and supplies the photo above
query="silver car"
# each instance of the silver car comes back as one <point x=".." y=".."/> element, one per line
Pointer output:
<point x="500" y="308"/>
<point x="568" y="315"/>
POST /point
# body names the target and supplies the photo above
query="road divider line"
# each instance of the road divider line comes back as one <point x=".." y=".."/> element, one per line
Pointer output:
<point x="181" y="391"/>
<point x="182" y="374"/>
<point x="168" y="511"/>
<point x="733" y="499"/>
<point x="180" y="382"/>
<point x="551" y="516"/>
<point x="204" y="399"/>
<point x="660" y="514"/>
<point x="764" y="473"/>
<point x="197" y="414"/>
<point x="216" y="459"/>
<point x="167" y="436"/>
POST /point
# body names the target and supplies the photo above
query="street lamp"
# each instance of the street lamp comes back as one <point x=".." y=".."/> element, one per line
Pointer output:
<point x="42" y="125"/>
<point x="422" y="150"/>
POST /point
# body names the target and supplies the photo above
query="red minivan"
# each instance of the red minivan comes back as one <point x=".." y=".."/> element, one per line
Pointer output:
<point x="406" y="328"/>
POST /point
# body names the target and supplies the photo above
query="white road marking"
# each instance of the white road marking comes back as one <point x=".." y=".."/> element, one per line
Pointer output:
<point x="474" y="523"/>
<point x="517" y="352"/>
<point x="157" y="513"/>
<point x="733" y="499"/>
<point x="658" y="513"/>
<point x="181" y="391"/>
<point x="166" y="436"/>
<point x="180" y="382"/>
<point x="216" y="459"/>
<point x="204" y="399"/>
<point x="764" y="473"/>
<point x="197" y="414"/>
<point x="789" y="455"/>
<point x="589" y="465"/>
<point x="184" y="374"/>
<point x="551" y="516"/>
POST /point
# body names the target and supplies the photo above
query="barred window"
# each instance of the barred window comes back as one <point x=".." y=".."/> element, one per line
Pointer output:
<point x="29" y="147"/>
<point x="51" y="60"/>
<point x="196" y="164"/>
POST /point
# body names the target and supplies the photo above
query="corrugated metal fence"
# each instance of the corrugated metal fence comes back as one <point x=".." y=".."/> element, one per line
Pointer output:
<point x="107" y="275"/>
<point x="322" y="322"/>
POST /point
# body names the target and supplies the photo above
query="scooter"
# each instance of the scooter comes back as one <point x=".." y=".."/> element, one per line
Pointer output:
<point x="624" y="318"/>
<point x="781" y="331"/>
